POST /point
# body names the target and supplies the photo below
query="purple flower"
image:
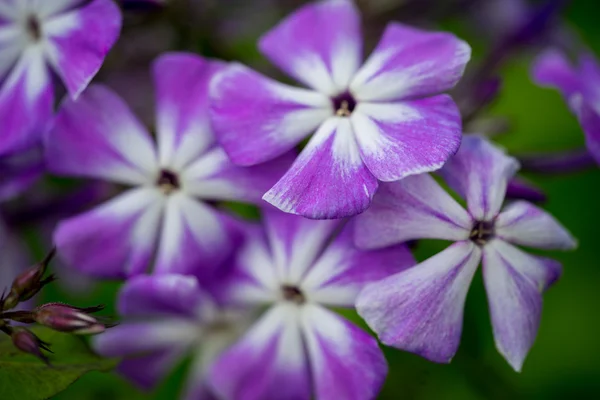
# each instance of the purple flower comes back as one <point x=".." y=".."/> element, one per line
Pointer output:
<point x="580" y="85"/>
<point x="299" y="349"/>
<point x="67" y="37"/>
<point x="97" y="136"/>
<point x="382" y="121"/>
<point x="168" y="318"/>
<point x="421" y="310"/>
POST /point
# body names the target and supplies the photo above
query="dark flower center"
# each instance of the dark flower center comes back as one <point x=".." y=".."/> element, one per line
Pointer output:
<point x="293" y="294"/>
<point x="344" y="104"/>
<point x="482" y="232"/>
<point x="34" y="28"/>
<point x="168" y="181"/>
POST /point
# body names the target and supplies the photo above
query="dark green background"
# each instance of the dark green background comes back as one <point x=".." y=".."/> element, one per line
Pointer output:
<point x="564" y="362"/>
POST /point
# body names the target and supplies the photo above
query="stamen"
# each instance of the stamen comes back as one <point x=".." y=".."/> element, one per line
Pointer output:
<point x="168" y="181"/>
<point x="344" y="104"/>
<point x="34" y="28"/>
<point x="482" y="232"/>
<point x="293" y="294"/>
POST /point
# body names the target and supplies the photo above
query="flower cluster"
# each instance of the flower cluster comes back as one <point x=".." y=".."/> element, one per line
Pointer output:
<point x="344" y="172"/>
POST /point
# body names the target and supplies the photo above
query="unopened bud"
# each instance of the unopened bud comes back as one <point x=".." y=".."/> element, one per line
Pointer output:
<point x="66" y="318"/>
<point x="28" y="342"/>
<point x="28" y="284"/>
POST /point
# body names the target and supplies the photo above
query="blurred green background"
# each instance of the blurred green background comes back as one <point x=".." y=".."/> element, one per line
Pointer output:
<point x="565" y="361"/>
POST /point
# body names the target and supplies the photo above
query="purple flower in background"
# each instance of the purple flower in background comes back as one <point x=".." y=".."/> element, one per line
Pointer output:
<point x="167" y="319"/>
<point x="299" y="349"/>
<point x="69" y="37"/>
<point x="383" y="120"/>
<point x="580" y="85"/>
<point x="97" y="136"/>
<point x="421" y="309"/>
<point x="19" y="171"/>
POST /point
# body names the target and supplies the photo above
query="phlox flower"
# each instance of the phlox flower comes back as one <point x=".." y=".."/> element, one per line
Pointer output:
<point x="168" y="318"/>
<point x="167" y="215"/>
<point x="421" y="309"/>
<point x="383" y="120"/>
<point x="298" y="348"/>
<point x="38" y="37"/>
<point x="580" y="86"/>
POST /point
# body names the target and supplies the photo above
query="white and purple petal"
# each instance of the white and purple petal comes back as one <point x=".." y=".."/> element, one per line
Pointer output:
<point x="97" y="136"/>
<point x="514" y="281"/>
<point x="275" y="344"/>
<point x="328" y="179"/>
<point x="346" y="362"/>
<point x="480" y="172"/>
<point x="527" y="225"/>
<point x="416" y="207"/>
<point x="409" y="63"/>
<point x="256" y="119"/>
<point x="183" y="126"/>
<point x="421" y="309"/>
<point x="407" y="138"/>
<point x="79" y="40"/>
<point x="343" y="270"/>
<point x="115" y="240"/>
<point x="327" y="42"/>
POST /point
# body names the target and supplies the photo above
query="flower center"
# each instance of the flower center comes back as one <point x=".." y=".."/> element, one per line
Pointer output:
<point x="344" y="104"/>
<point x="293" y="294"/>
<point x="168" y="181"/>
<point x="482" y="232"/>
<point x="34" y="28"/>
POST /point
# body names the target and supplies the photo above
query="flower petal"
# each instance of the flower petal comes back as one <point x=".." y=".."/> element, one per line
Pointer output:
<point x="160" y="295"/>
<point x="590" y="122"/>
<point x="256" y="119"/>
<point x="149" y="370"/>
<point x="116" y="239"/>
<point x="342" y="271"/>
<point x="46" y="9"/>
<point x="553" y="69"/>
<point x="525" y="224"/>
<point x="408" y="138"/>
<point x="410" y="62"/>
<point x="79" y="40"/>
<point x="183" y="126"/>
<point x="514" y="281"/>
<point x="295" y="242"/>
<point x="97" y="136"/>
<point x="327" y="44"/>
<point x="19" y="171"/>
<point x="195" y="238"/>
<point x="480" y="172"/>
<point x="26" y="98"/>
<point x="328" y="179"/>
<point x="414" y="208"/>
<point x="421" y="309"/>
<point x="214" y="177"/>
<point x="275" y="344"/>
<point x="346" y="362"/>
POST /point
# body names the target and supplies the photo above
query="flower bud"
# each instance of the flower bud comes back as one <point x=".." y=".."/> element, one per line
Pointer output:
<point x="28" y="284"/>
<point x="66" y="318"/>
<point x="26" y="341"/>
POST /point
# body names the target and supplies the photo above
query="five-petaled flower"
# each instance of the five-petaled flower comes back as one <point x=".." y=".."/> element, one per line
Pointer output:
<point x="383" y="121"/>
<point x="580" y="85"/>
<point x="299" y="349"/>
<point x="421" y="309"/>
<point x="69" y="37"/>
<point x="167" y="318"/>
<point x="97" y="136"/>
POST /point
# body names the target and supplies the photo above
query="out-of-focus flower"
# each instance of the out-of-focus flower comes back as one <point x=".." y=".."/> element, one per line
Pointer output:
<point x="69" y="37"/>
<point x="382" y="121"/>
<point x="167" y="318"/>
<point x="97" y="136"/>
<point x="19" y="171"/>
<point x="421" y="309"/>
<point x="298" y="348"/>
<point x="580" y="85"/>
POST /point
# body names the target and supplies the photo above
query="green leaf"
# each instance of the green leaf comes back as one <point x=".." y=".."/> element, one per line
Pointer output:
<point x="24" y="377"/>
